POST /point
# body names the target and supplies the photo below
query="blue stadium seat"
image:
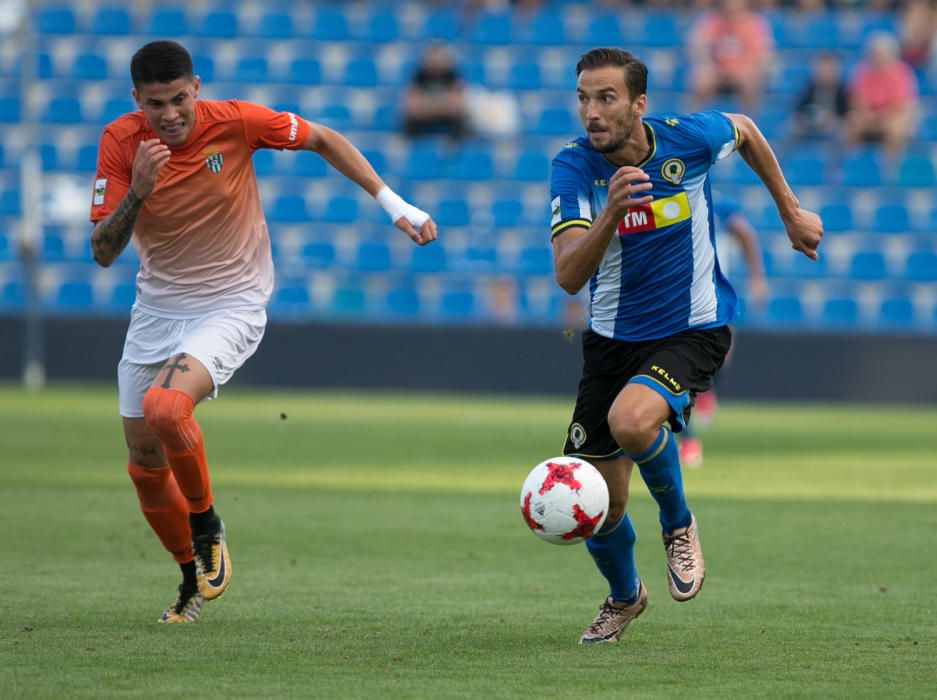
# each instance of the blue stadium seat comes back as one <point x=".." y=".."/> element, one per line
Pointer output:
<point x="402" y="301"/>
<point x="348" y="300"/>
<point x="891" y="218"/>
<point x="785" y="310"/>
<point x="56" y="20"/>
<point x="457" y="304"/>
<point x="373" y="256"/>
<point x="423" y="161"/>
<point x="533" y="166"/>
<point x="86" y="160"/>
<point x="123" y="295"/>
<point x="480" y="257"/>
<point x="491" y="28"/>
<point x="62" y="110"/>
<point x="452" y="212"/>
<point x="544" y="28"/>
<point x="802" y="169"/>
<point x="921" y="266"/>
<point x="12" y="294"/>
<point x="429" y="259"/>
<point x="840" y="312"/>
<point x="360" y="71"/>
<point x="204" y="66"/>
<point x="274" y="25"/>
<point x="376" y="159"/>
<point x="535" y="260"/>
<point x="263" y="162"/>
<point x="896" y="312"/>
<point x="53" y="245"/>
<point x="506" y="213"/>
<point x="308" y="164"/>
<point x="803" y="267"/>
<point x="9" y="109"/>
<point x="382" y="27"/>
<point x="555" y="121"/>
<point x="916" y="171"/>
<point x="49" y="156"/>
<point x="862" y="169"/>
<point x="6" y="250"/>
<point x="341" y="210"/>
<point x="441" y="24"/>
<point x="89" y="66"/>
<point x="524" y="75"/>
<point x="837" y="217"/>
<point x="251" y="69"/>
<point x="218" y="24"/>
<point x="811" y="30"/>
<point x="10" y="202"/>
<point x="471" y="163"/>
<point x="867" y="265"/>
<point x="168" y="22"/>
<point x="386" y="118"/>
<point x="604" y="29"/>
<point x="115" y="107"/>
<point x="330" y="24"/>
<point x="111" y="21"/>
<point x="74" y="295"/>
<point x="289" y="208"/>
<point x="318" y="255"/>
<point x="304" y="71"/>
<point x="660" y="29"/>
<point x="335" y="116"/>
<point x="291" y="298"/>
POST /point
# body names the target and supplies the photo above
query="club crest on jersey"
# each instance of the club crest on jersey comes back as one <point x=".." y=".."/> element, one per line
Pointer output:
<point x="214" y="161"/>
<point x="673" y="170"/>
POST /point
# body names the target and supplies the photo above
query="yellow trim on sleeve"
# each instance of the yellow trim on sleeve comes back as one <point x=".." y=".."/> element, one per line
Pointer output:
<point x="569" y="223"/>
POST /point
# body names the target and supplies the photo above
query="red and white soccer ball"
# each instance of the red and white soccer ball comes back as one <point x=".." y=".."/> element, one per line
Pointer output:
<point x="564" y="500"/>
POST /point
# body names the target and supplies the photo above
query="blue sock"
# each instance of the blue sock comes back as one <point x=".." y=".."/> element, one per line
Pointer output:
<point x="612" y="548"/>
<point x="660" y="469"/>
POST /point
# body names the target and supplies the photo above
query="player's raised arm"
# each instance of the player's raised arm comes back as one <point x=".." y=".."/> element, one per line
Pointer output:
<point x="804" y="228"/>
<point x="577" y="251"/>
<point x="111" y="235"/>
<point x="342" y="155"/>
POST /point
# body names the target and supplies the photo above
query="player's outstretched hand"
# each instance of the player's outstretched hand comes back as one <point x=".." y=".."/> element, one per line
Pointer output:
<point x="805" y="229"/>
<point x="627" y="188"/>
<point x="151" y="156"/>
<point x="426" y="233"/>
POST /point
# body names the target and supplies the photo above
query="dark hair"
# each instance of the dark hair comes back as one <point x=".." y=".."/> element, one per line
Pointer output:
<point x="635" y="70"/>
<point x="160" y="62"/>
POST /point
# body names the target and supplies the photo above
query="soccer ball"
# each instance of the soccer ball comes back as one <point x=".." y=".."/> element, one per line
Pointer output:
<point x="564" y="500"/>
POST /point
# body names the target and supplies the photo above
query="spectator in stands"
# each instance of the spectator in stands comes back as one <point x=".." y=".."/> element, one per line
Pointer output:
<point x="730" y="49"/>
<point x="918" y="35"/>
<point x="435" y="100"/>
<point x="176" y="176"/>
<point x="824" y="101"/>
<point x="883" y="96"/>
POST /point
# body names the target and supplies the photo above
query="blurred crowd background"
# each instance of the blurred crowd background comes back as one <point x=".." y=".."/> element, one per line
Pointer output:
<point x="461" y="106"/>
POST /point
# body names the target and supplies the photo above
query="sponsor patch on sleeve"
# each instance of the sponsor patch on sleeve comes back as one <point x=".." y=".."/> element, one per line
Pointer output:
<point x="555" y="211"/>
<point x="100" y="185"/>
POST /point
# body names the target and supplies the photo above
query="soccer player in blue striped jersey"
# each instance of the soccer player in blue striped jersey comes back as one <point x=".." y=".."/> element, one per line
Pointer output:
<point x="632" y="218"/>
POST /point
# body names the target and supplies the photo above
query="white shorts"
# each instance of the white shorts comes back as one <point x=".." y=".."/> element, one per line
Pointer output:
<point x="221" y="341"/>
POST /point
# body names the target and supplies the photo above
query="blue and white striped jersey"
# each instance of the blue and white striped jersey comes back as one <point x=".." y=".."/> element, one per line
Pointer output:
<point x="660" y="274"/>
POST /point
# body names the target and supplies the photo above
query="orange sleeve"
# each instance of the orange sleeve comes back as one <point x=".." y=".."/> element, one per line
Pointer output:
<point x="113" y="176"/>
<point x="264" y="128"/>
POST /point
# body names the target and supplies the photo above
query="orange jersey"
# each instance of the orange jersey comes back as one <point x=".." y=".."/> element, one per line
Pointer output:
<point x="201" y="233"/>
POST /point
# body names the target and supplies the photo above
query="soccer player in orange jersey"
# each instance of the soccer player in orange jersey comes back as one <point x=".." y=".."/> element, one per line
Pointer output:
<point x="176" y="176"/>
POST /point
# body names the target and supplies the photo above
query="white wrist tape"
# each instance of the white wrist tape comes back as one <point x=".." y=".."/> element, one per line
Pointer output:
<point x="396" y="207"/>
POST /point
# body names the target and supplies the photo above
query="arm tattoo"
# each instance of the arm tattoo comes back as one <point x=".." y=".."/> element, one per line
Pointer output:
<point x="110" y="237"/>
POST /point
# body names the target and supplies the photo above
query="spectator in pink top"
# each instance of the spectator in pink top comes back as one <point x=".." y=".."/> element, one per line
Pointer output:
<point x="730" y="48"/>
<point x="883" y="96"/>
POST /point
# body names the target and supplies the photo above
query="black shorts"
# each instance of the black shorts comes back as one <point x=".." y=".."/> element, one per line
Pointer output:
<point x="676" y="367"/>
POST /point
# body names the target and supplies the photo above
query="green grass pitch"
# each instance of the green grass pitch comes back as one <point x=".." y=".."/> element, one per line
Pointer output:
<point x="379" y="553"/>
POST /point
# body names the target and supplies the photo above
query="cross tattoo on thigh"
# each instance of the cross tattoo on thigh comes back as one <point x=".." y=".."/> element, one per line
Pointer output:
<point x="176" y="365"/>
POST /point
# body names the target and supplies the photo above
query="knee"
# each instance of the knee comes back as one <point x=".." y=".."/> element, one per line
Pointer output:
<point x="633" y="426"/>
<point x="165" y="412"/>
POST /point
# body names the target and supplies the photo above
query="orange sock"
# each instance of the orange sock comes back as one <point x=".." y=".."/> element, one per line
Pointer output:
<point x="168" y="412"/>
<point x="164" y="508"/>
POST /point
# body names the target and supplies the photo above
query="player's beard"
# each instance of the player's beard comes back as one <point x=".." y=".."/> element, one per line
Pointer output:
<point x="626" y="130"/>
